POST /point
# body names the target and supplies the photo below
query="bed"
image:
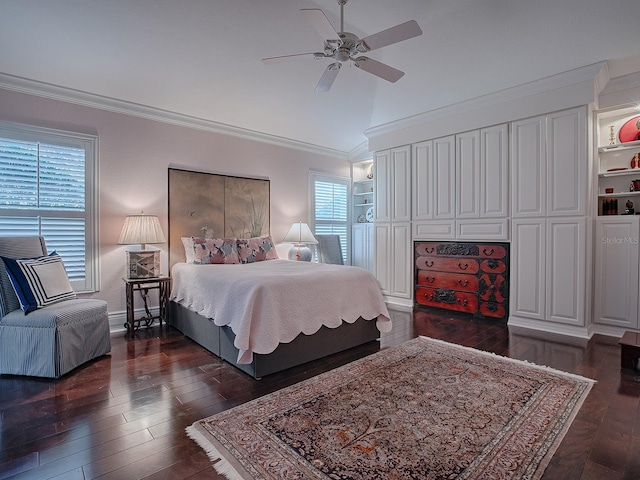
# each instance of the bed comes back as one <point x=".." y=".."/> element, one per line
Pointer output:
<point x="257" y="312"/>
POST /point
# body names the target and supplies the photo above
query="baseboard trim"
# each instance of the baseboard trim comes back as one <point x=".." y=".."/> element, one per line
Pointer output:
<point x="531" y="324"/>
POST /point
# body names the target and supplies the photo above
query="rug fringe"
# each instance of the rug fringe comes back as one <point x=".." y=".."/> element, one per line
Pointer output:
<point x="221" y="465"/>
<point x="515" y="360"/>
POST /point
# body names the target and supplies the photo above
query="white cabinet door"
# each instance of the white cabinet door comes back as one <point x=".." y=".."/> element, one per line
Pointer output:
<point x="392" y="185"/>
<point x="401" y="184"/>
<point x="422" y="172"/>
<point x="616" y="271"/>
<point x="393" y="258"/>
<point x="433" y="179"/>
<point x="362" y="246"/>
<point x="528" y="268"/>
<point x="401" y="254"/>
<point x="382" y="186"/>
<point x="494" y="172"/>
<point x="528" y="168"/>
<point x="565" y="270"/>
<point x="567" y="162"/>
<point x="468" y="174"/>
<point x="383" y="257"/>
<point x="443" y="179"/>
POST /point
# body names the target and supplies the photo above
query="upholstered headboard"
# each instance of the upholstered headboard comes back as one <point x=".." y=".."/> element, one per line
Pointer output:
<point x="224" y="205"/>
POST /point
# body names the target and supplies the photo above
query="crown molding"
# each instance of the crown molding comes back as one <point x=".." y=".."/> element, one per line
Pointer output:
<point x="543" y="85"/>
<point x="86" y="99"/>
<point x="620" y="91"/>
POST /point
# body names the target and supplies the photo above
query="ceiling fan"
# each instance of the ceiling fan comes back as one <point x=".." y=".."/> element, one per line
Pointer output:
<point x="346" y="47"/>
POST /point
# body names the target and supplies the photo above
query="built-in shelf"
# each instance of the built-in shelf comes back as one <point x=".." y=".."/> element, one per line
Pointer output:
<point x="621" y="173"/>
<point x="618" y="194"/>
<point x="618" y="147"/>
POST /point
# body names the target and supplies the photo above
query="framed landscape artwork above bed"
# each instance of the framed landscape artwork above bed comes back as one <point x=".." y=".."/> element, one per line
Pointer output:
<point x="219" y="206"/>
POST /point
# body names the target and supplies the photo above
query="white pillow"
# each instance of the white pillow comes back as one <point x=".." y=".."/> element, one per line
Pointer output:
<point x="188" y="249"/>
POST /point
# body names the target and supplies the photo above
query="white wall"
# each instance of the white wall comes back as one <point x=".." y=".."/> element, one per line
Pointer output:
<point x="135" y="154"/>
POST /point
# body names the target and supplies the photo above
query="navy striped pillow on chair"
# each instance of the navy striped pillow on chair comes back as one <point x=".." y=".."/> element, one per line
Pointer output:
<point x="39" y="281"/>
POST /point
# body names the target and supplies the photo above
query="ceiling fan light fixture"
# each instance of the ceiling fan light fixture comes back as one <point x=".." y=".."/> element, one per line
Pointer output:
<point x="343" y="46"/>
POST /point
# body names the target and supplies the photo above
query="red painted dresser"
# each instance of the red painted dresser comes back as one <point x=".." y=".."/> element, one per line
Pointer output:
<point x="465" y="277"/>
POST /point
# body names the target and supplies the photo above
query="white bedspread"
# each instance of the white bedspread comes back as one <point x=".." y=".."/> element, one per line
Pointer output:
<point x="272" y="302"/>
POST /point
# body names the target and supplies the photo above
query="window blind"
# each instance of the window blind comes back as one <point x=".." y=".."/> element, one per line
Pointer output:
<point x="330" y="198"/>
<point x="47" y="188"/>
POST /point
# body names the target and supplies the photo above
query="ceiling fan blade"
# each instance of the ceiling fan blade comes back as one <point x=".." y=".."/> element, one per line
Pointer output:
<point x="297" y="56"/>
<point x="378" y="69"/>
<point x="392" y="35"/>
<point x="320" y="23"/>
<point x="328" y="77"/>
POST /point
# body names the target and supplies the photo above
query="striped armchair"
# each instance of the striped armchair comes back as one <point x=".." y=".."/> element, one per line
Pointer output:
<point x="54" y="339"/>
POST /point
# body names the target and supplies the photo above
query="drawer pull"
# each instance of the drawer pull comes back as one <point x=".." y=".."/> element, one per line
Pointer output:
<point x="463" y="302"/>
<point x="463" y="267"/>
<point x="488" y="252"/>
<point x="430" y="279"/>
<point x="429" y="263"/>
<point x="430" y="249"/>
<point x="463" y="283"/>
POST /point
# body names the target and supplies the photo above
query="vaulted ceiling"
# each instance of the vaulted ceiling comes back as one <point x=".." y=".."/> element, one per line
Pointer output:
<point x="202" y="58"/>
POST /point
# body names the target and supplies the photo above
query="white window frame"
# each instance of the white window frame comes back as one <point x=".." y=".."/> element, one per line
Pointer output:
<point x="320" y="176"/>
<point x="89" y="143"/>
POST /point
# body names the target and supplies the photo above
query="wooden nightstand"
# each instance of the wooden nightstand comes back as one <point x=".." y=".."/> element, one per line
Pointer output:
<point x="143" y="285"/>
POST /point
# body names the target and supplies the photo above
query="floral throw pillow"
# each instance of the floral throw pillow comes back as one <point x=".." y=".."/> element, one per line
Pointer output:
<point x="214" y="250"/>
<point x="256" y="249"/>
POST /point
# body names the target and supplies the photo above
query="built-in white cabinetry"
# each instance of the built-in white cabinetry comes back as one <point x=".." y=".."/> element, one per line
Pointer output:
<point x="618" y="161"/>
<point x="617" y="236"/>
<point x="548" y="261"/>
<point x="468" y="174"/>
<point x="363" y="203"/>
<point x="549" y="179"/>
<point x="392" y="185"/>
<point x="433" y="188"/>
<point x="494" y="172"/>
<point x="392" y="229"/>
<point x="434" y="179"/>
<point x="616" y="271"/>
<point x="362" y="246"/>
<point x="461" y="185"/>
<point x="482" y="200"/>
<point x="394" y="259"/>
<point x="549" y="165"/>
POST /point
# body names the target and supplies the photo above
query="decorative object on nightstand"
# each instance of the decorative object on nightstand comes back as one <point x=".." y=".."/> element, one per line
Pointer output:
<point x="300" y="235"/>
<point x="142" y="229"/>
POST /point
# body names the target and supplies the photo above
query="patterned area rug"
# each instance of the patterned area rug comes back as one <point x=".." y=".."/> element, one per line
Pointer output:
<point x="422" y="410"/>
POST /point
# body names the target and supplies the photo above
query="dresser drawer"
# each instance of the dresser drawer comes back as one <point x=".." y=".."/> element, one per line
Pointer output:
<point x="493" y="266"/>
<point x="448" y="264"/>
<point x="460" y="249"/>
<point x="452" y="281"/>
<point x="493" y="288"/>
<point x="463" y="276"/>
<point x="491" y="309"/>
<point x="449" y="299"/>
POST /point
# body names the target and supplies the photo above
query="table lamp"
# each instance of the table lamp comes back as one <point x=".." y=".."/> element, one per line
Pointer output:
<point x="142" y="229"/>
<point x="300" y="235"/>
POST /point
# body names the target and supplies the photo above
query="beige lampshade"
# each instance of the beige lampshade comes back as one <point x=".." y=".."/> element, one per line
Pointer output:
<point x="300" y="233"/>
<point x="141" y="229"/>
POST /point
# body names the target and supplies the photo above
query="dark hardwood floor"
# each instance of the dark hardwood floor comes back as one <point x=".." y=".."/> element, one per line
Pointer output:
<point x="123" y="416"/>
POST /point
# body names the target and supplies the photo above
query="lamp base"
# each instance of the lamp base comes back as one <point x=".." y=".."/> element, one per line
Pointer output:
<point x="301" y="253"/>
<point x="143" y="263"/>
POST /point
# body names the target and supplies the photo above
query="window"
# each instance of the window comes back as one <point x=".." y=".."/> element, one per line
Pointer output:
<point x="329" y="206"/>
<point x="48" y="184"/>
